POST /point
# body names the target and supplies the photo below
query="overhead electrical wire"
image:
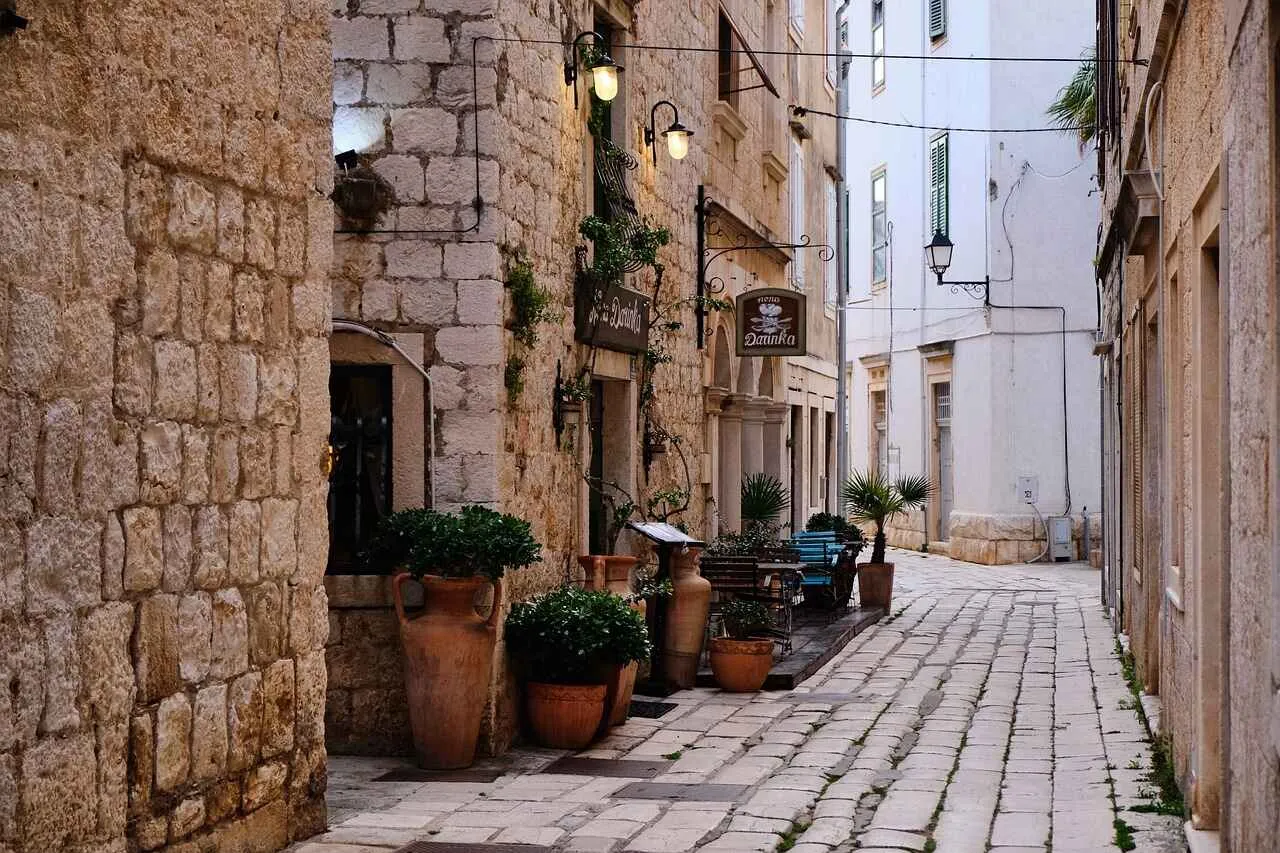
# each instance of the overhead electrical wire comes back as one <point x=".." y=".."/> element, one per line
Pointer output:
<point x="838" y="54"/>
<point x="800" y="111"/>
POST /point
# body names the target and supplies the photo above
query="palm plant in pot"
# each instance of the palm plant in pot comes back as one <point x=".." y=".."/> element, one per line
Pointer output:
<point x="741" y="659"/>
<point x="871" y="498"/>
<point x="449" y="647"/>
<point x="566" y="644"/>
<point x="764" y="498"/>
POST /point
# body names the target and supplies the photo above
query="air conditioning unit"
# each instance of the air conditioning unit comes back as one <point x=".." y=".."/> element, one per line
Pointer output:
<point x="1061" y="547"/>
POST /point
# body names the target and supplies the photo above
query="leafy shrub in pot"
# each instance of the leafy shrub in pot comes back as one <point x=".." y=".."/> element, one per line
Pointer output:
<point x="475" y="542"/>
<point x="565" y="644"/>
<point x="740" y="660"/>
<point x="449" y="647"/>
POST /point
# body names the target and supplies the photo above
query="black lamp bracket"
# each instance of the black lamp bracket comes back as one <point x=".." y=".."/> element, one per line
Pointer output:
<point x="976" y="289"/>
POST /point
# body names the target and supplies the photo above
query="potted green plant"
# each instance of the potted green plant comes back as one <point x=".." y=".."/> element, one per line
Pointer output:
<point x="566" y="643"/>
<point x="449" y="647"/>
<point x="871" y="498"/>
<point x="741" y="659"/>
<point x="764" y="498"/>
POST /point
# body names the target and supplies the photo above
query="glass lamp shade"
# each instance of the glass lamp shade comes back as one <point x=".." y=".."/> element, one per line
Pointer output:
<point x="604" y="80"/>
<point x="677" y="140"/>
<point x="938" y="253"/>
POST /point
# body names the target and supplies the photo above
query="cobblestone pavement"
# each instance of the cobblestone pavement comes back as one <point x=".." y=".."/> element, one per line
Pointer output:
<point x="987" y="713"/>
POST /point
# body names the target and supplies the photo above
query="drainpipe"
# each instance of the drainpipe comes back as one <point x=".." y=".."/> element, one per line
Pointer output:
<point x="842" y="262"/>
<point x="388" y="341"/>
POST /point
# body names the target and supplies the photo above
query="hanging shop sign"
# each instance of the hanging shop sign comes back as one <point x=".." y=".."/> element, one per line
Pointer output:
<point x="771" y="322"/>
<point x="613" y="318"/>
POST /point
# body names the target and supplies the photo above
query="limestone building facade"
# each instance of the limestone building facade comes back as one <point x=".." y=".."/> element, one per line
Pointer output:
<point x="488" y="162"/>
<point x="164" y="308"/>
<point x="1187" y="273"/>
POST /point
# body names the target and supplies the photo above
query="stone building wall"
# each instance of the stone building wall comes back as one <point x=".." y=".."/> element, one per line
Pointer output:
<point x="163" y="408"/>
<point x="1251" y="819"/>
<point x="404" y="100"/>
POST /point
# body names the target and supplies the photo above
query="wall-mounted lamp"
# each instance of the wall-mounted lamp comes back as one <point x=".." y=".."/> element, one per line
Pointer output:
<point x="604" y="71"/>
<point x="677" y="135"/>
<point x="11" y="22"/>
<point x="359" y="192"/>
<point x="938" y="256"/>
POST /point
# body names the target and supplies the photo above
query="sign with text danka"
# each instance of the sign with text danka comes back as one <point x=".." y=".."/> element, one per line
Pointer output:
<point x="613" y="318"/>
<point x="771" y="322"/>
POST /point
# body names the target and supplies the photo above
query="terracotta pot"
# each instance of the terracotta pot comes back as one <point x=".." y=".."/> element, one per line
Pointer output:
<point x="875" y="585"/>
<point x="614" y="574"/>
<point x="686" y="619"/>
<point x="564" y="716"/>
<point x="448" y="654"/>
<point x="741" y="666"/>
<point x="611" y="572"/>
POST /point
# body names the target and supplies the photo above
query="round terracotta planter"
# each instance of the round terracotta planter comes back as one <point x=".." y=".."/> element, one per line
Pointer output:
<point x="564" y="716"/>
<point x="741" y="666"/>
<point x="448" y="653"/>
<point x="686" y="619"/>
<point x="613" y="573"/>
<point x="875" y="585"/>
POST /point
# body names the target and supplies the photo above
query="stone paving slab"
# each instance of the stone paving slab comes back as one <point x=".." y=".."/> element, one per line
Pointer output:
<point x="987" y="713"/>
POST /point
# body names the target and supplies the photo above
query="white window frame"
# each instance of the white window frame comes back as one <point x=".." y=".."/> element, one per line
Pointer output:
<point x="939" y="185"/>
<point x="795" y="19"/>
<point x="829" y="283"/>
<point x="881" y="176"/>
<point x="796" y="180"/>
<point x="878" y="74"/>
<point x="832" y="41"/>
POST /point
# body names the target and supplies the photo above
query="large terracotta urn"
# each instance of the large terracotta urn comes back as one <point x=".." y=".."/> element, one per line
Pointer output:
<point x="686" y="619"/>
<point x="448" y="653"/>
<point x="875" y="585"/>
<point x="614" y="574"/>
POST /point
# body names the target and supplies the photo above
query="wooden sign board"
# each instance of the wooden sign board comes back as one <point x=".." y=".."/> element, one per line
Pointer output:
<point x="614" y="318"/>
<point x="771" y="322"/>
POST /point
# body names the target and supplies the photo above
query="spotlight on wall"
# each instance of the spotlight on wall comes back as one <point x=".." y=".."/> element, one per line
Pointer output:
<point x="677" y="135"/>
<point x="11" y="22"/>
<point x="604" y="71"/>
<point x="347" y="160"/>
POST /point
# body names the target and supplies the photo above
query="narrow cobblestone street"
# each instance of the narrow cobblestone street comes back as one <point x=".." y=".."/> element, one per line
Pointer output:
<point x="988" y="712"/>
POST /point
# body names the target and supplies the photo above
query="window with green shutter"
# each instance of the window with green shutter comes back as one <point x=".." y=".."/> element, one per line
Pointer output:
<point x="939" y="221"/>
<point x="937" y="18"/>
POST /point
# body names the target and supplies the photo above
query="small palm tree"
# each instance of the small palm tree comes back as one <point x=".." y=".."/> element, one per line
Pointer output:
<point x="869" y="497"/>
<point x="764" y="498"/>
<point x="1075" y="110"/>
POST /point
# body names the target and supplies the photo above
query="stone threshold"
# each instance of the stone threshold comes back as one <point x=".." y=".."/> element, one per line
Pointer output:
<point x="811" y="652"/>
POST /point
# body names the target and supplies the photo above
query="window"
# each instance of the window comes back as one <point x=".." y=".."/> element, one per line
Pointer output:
<point x="879" y="227"/>
<point x="728" y="67"/>
<point x="796" y="179"/>
<point x="829" y="267"/>
<point x="879" y="460"/>
<point x="360" y="482"/>
<point x="831" y="41"/>
<point x="937" y="18"/>
<point x="939" y="220"/>
<point x="942" y="402"/>
<point x="795" y="14"/>
<point x="877" y="43"/>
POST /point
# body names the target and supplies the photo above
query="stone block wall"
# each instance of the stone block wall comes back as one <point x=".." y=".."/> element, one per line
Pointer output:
<point x="992" y="539"/>
<point x="366" y="710"/>
<point x="163" y="407"/>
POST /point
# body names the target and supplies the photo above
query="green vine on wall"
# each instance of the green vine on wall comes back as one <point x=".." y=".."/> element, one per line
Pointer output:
<point x="531" y="305"/>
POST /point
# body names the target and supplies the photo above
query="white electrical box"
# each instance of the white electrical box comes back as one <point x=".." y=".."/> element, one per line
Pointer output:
<point x="1061" y="547"/>
<point x="1029" y="490"/>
